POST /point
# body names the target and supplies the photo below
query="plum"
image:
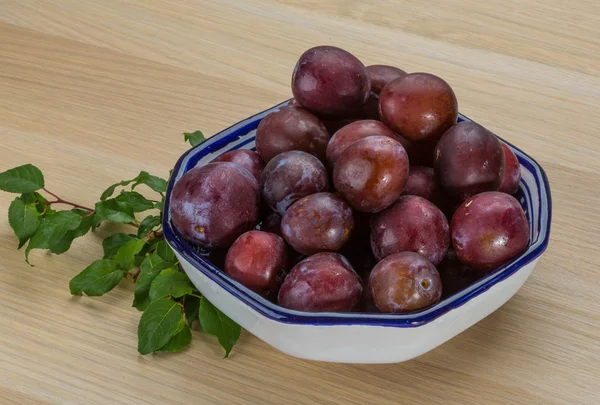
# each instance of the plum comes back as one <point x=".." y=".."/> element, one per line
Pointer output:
<point x="355" y="131"/>
<point x="421" y="182"/>
<point x="246" y="158"/>
<point x="381" y="75"/>
<point x="411" y="224"/>
<point x="324" y="282"/>
<point x="371" y="173"/>
<point x="488" y="230"/>
<point x="512" y="172"/>
<point x="290" y="176"/>
<point x="330" y="82"/>
<point x="404" y="282"/>
<point x="214" y="204"/>
<point x="469" y="160"/>
<point x="291" y="128"/>
<point x="418" y="106"/>
<point x="320" y="222"/>
<point x="256" y="259"/>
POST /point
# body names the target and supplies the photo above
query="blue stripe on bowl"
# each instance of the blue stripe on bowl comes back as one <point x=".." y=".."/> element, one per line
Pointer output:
<point x="535" y="193"/>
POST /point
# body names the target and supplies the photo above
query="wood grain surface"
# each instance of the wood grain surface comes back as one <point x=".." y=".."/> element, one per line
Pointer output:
<point x="95" y="91"/>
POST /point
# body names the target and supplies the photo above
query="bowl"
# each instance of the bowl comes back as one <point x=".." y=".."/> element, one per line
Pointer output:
<point x="357" y="337"/>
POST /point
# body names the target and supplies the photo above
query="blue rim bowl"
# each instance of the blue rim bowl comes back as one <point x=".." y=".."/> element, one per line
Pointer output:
<point x="534" y="195"/>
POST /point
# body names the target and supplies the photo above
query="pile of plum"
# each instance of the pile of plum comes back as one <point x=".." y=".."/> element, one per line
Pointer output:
<point x="368" y="194"/>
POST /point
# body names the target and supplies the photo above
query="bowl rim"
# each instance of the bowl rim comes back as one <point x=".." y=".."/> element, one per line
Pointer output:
<point x="276" y="313"/>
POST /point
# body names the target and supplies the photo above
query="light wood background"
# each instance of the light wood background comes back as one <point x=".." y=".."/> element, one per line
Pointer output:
<point x="95" y="91"/>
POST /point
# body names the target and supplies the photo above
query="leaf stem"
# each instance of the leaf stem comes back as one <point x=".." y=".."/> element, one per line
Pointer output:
<point x="61" y="201"/>
<point x="195" y="295"/>
<point x="135" y="274"/>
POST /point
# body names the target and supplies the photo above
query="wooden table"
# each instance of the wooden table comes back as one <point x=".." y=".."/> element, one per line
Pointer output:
<point x="95" y="91"/>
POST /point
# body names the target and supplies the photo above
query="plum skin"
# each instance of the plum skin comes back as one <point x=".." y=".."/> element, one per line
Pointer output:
<point x="214" y="204"/>
<point x="330" y="82"/>
<point x="290" y="176"/>
<point x="381" y="75"/>
<point x="325" y="282"/>
<point x="291" y="128"/>
<point x="512" y="172"/>
<point x="371" y="173"/>
<point x="418" y="106"/>
<point x="421" y="182"/>
<point x="469" y="160"/>
<point x="410" y="224"/>
<point x="404" y="282"/>
<point x="246" y="158"/>
<point x="356" y="131"/>
<point x="488" y="230"/>
<point x="317" y="223"/>
<point x="256" y="259"/>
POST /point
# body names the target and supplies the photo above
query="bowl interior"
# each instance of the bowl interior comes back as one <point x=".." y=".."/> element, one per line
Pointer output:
<point x="533" y="194"/>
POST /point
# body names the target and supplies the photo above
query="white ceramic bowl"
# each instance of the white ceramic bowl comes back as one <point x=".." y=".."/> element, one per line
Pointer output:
<point x="358" y="337"/>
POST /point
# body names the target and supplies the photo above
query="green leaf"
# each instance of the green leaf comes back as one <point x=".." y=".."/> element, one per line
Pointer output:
<point x="191" y="309"/>
<point x="24" y="219"/>
<point x="110" y="191"/>
<point x="180" y="341"/>
<point x="160" y="205"/>
<point x="112" y="244"/>
<point x="149" y="269"/>
<point x="52" y="228"/>
<point x="216" y="323"/>
<point x="158" y="324"/>
<point x="165" y="252"/>
<point x="98" y="278"/>
<point x="39" y="200"/>
<point x="148" y="225"/>
<point x="155" y="183"/>
<point x="125" y="257"/>
<point x="34" y="198"/>
<point x="135" y="200"/>
<point x="115" y="211"/>
<point x="194" y="138"/>
<point x="22" y="179"/>
<point x="171" y="283"/>
<point x="87" y="222"/>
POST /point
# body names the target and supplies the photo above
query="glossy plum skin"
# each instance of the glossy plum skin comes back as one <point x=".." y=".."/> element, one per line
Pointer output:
<point x="488" y="230"/>
<point x="381" y="75"/>
<point x="324" y="282"/>
<point x="214" y="204"/>
<point x="404" y="282"/>
<point x="456" y="276"/>
<point x="248" y="159"/>
<point x="418" y="106"/>
<point x="468" y="160"/>
<point x="411" y="224"/>
<point x="512" y="172"/>
<point x="422" y="182"/>
<point x="330" y="82"/>
<point x="320" y="222"/>
<point x="256" y="259"/>
<point x="355" y="131"/>
<point x="290" y="176"/>
<point x="371" y="173"/>
<point x="291" y="128"/>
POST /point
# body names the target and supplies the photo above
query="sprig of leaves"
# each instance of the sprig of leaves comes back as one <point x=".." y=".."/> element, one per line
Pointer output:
<point x="170" y="303"/>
